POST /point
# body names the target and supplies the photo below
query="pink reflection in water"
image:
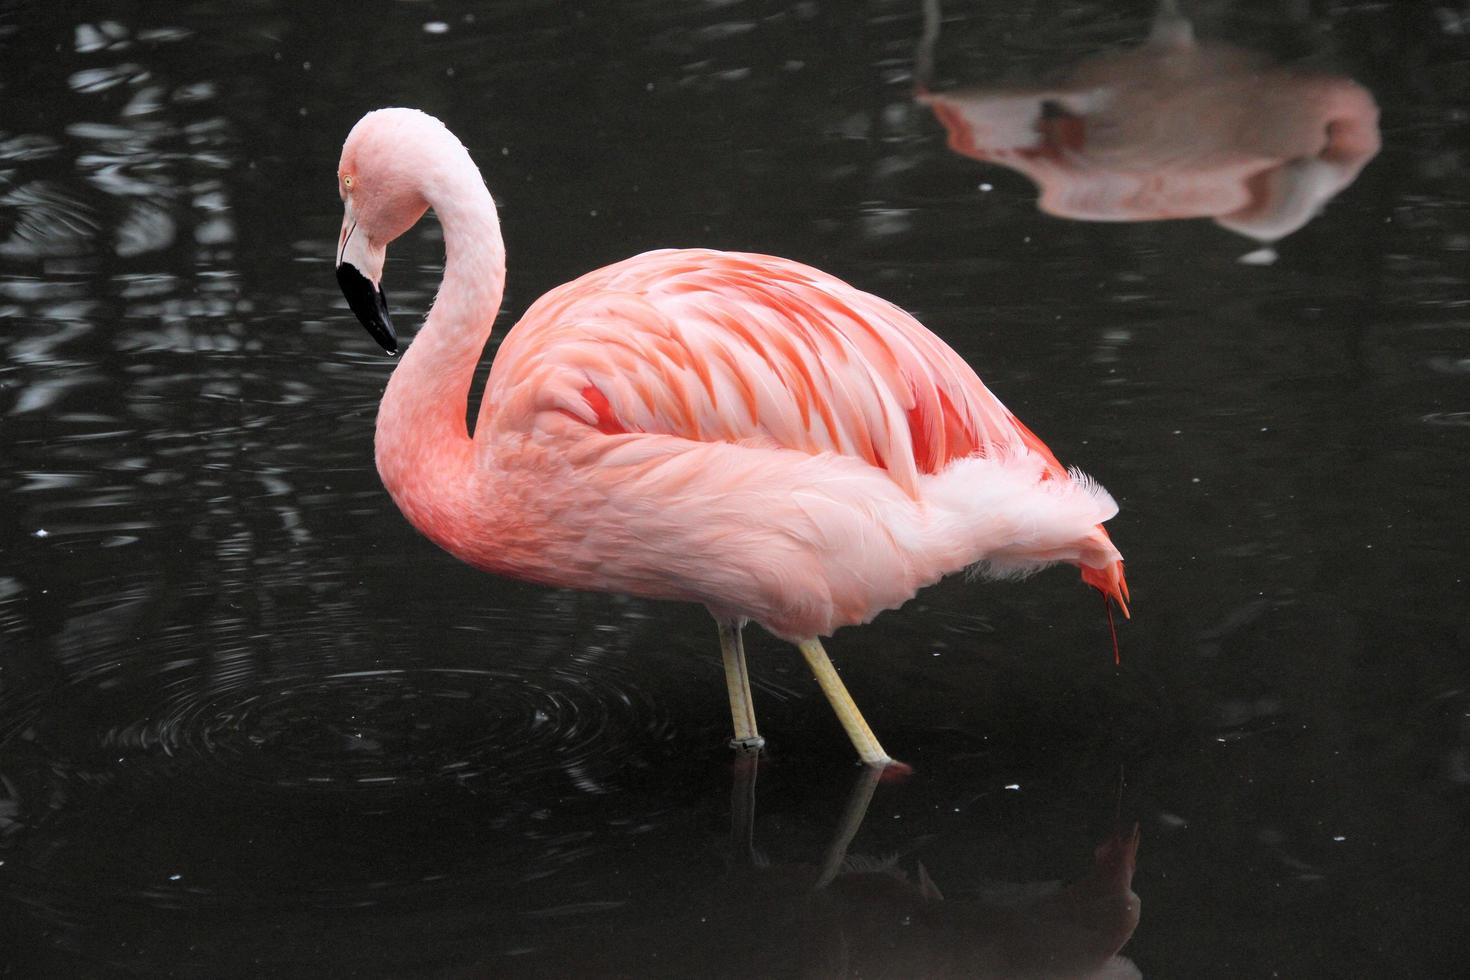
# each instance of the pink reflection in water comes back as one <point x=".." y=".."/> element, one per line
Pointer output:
<point x="1174" y="128"/>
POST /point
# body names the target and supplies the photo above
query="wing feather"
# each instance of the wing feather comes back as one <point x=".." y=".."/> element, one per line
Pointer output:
<point x="734" y="347"/>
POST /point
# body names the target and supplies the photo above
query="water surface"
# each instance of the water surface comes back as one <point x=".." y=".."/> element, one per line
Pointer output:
<point x="251" y="723"/>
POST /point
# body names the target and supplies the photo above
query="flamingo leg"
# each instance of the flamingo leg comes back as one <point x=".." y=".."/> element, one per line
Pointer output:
<point x="737" y="682"/>
<point x="857" y="730"/>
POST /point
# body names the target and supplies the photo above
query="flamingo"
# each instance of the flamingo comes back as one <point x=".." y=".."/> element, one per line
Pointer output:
<point x="737" y="430"/>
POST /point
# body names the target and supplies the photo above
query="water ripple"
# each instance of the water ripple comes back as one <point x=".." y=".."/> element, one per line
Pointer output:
<point x="395" y="728"/>
<point x="232" y="722"/>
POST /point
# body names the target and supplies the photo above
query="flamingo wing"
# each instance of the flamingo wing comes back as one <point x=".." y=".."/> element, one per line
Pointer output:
<point x="743" y="348"/>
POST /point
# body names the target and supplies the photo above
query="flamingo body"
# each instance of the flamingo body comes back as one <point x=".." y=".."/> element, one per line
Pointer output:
<point x="752" y="434"/>
<point x="732" y="429"/>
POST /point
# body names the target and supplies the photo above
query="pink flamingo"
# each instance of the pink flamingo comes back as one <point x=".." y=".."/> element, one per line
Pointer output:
<point x="737" y="430"/>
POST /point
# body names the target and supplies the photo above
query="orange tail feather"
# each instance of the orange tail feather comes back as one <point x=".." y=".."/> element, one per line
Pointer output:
<point x="1110" y="582"/>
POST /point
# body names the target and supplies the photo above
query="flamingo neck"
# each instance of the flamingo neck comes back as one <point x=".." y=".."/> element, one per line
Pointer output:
<point x="424" y="450"/>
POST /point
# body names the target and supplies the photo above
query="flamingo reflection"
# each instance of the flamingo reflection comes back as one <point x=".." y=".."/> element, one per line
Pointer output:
<point x="854" y="916"/>
<point x="1173" y="128"/>
<point x="841" y="914"/>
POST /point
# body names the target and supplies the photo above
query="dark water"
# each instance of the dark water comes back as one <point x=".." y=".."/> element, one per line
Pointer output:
<point x="251" y="724"/>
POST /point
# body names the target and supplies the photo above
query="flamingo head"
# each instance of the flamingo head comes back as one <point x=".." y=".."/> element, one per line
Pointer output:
<point x="387" y="162"/>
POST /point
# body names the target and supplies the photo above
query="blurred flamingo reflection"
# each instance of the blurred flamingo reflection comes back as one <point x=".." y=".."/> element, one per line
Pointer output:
<point x="1173" y="128"/>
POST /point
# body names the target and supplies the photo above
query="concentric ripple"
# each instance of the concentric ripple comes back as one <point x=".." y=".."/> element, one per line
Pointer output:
<point x="402" y="728"/>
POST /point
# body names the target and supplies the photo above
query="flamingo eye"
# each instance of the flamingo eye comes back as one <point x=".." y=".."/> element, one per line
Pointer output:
<point x="347" y="181"/>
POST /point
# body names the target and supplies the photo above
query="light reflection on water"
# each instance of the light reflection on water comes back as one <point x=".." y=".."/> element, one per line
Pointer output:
<point x="226" y="659"/>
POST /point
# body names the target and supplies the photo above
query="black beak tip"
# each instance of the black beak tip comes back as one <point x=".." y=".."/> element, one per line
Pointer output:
<point x="370" y="305"/>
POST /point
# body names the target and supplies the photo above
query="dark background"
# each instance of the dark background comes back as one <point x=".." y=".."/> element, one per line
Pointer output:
<point x="251" y="723"/>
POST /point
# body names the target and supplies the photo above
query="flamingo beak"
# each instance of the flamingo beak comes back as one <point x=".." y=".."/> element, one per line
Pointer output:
<point x="359" y="271"/>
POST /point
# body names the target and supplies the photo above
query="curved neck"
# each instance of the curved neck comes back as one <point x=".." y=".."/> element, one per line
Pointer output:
<point x="424" y="450"/>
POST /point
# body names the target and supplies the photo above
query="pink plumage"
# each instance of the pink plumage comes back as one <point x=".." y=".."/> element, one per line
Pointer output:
<point x="732" y="429"/>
